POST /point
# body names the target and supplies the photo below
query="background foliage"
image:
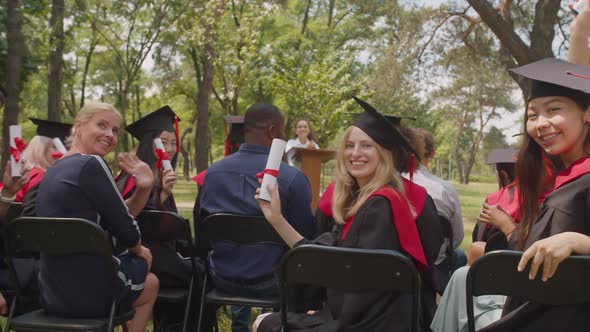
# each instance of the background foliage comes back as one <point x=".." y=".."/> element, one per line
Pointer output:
<point x="444" y="64"/>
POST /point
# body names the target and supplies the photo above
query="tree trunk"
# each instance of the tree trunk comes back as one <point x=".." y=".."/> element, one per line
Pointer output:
<point x="55" y="61"/>
<point x="14" y="56"/>
<point x="541" y="36"/>
<point x="305" y="17"/>
<point x="458" y="164"/>
<point x="202" y="126"/>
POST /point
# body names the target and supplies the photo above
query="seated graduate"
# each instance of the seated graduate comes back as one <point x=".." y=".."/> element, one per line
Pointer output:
<point x="39" y="155"/>
<point x="80" y="185"/>
<point x="557" y="123"/>
<point x="434" y="280"/>
<point x="371" y="212"/>
<point x="170" y="268"/>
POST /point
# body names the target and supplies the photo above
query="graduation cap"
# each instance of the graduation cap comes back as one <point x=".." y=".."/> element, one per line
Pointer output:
<point x="234" y="133"/>
<point x="162" y="119"/>
<point x="553" y="77"/>
<point x="502" y="156"/>
<point x="52" y="129"/>
<point x="396" y="120"/>
<point x="379" y="128"/>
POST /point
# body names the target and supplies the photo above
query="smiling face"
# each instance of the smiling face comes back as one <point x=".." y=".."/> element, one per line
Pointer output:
<point x="361" y="157"/>
<point x="169" y="142"/>
<point x="302" y="130"/>
<point x="99" y="134"/>
<point x="559" y="126"/>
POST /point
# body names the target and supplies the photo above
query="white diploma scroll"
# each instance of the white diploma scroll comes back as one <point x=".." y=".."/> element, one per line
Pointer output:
<point x="165" y="163"/>
<point x="15" y="132"/>
<point x="277" y="149"/>
<point x="59" y="146"/>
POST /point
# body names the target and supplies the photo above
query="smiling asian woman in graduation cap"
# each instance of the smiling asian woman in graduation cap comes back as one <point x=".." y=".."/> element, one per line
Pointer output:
<point x="171" y="269"/>
<point x="557" y="127"/>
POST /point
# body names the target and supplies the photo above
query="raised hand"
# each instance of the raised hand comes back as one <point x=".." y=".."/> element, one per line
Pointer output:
<point x="272" y="209"/>
<point x="169" y="179"/>
<point x="11" y="185"/>
<point x="141" y="172"/>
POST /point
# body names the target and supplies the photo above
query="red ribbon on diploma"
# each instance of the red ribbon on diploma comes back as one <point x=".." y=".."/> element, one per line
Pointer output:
<point x="160" y="155"/>
<point x="272" y="172"/>
<point x="16" y="151"/>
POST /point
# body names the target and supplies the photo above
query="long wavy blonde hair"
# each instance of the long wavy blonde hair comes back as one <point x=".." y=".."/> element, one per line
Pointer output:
<point x="348" y="196"/>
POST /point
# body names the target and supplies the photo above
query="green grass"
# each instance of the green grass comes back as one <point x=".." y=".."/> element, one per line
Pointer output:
<point x="471" y="197"/>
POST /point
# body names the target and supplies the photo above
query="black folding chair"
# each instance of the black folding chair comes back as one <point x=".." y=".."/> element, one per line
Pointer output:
<point x="164" y="226"/>
<point x="14" y="211"/>
<point x="242" y="230"/>
<point x="495" y="274"/>
<point x="28" y="236"/>
<point x="349" y="269"/>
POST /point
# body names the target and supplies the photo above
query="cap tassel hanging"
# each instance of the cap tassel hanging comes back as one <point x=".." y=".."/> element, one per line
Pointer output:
<point x="176" y="132"/>
<point x="412" y="169"/>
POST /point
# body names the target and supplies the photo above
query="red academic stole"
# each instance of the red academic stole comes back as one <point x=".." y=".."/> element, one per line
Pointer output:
<point x="199" y="178"/>
<point x="577" y="169"/>
<point x="507" y="201"/>
<point x="405" y="222"/>
<point x="129" y="185"/>
<point x="35" y="177"/>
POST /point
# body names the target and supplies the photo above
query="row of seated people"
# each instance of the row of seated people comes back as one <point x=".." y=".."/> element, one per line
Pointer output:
<point x="370" y="207"/>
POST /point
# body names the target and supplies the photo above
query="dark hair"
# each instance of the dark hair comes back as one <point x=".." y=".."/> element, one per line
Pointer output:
<point x="506" y="173"/>
<point x="262" y="116"/>
<point x="310" y="135"/>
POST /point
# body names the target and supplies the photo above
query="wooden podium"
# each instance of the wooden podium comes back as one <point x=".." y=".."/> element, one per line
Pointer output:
<point x="311" y="165"/>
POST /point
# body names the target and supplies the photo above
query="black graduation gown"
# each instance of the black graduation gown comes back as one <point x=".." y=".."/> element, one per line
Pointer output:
<point x="566" y="209"/>
<point x="431" y="235"/>
<point x="373" y="228"/>
<point x="171" y="269"/>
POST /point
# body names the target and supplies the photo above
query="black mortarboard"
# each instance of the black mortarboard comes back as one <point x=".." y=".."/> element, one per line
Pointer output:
<point x="553" y="77"/>
<point x="374" y="124"/>
<point x="159" y="120"/>
<point x="502" y="156"/>
<point x="396" y="120"/>
<point x="52" y="129"/>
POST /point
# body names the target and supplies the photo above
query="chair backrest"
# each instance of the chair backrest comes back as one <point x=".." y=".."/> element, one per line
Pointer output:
<point x="350" y="269"/>
<point x="29" y="236"/>
<point x="239" y="229"/>
<point x="159" y="226"/>
<point x="495" y="274"/>
<point x="55" y="236"/>
<point x="15" y="209"/>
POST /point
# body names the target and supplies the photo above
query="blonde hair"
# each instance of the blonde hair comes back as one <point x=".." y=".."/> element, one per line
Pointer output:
<point x="348" y="197"/>
<point x="86" y="113"/>
<point x="35" y="153"/>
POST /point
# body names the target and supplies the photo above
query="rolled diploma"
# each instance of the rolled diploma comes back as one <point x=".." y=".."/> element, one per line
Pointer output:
<point x="59" y="145"/>
<point x="15" y="131"/>
<point x="273" y="162"/>
<point x="166" y="163"/>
